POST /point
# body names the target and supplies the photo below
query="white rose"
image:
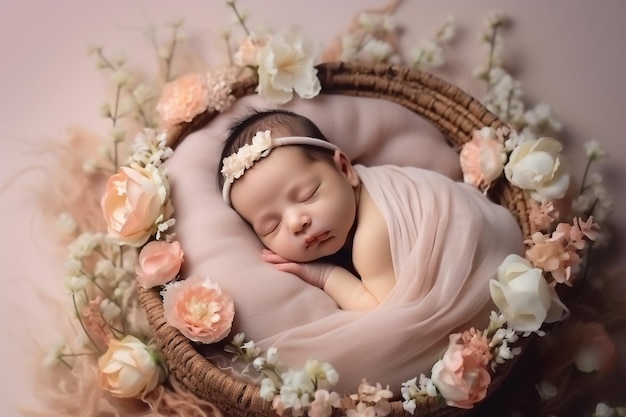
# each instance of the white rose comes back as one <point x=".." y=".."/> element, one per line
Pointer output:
<point x="287" y="64"/>
<point x="536" y="165"/>
<point x="523" y="295"/>
<point x="129" y="369"/>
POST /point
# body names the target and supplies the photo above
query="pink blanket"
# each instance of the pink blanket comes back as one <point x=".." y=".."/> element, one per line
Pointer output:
<point x="447" y="241"/>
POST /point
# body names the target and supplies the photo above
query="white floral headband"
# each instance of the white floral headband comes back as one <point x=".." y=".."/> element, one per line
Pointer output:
<point x="235" y="165"/>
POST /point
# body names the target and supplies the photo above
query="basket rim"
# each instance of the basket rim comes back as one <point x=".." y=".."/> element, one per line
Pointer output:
<point x="451" y="110"/>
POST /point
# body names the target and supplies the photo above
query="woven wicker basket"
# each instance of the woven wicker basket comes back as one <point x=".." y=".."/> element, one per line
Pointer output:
<point x="452" y="111"/>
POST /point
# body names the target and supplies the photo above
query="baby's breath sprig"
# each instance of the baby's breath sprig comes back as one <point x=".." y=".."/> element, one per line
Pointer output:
<point x="166" y="54"/>
<point x="239" y="15"/>
<point x="430" y="52"/>
<point x="504" y="94"/>
<point x="493" y="39"/>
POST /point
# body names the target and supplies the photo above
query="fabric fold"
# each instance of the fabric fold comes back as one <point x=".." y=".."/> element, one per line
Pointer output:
<point x="447" y="240"/>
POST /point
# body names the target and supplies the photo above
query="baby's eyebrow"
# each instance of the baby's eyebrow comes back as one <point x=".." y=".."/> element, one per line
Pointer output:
<point x="297" y="186"/>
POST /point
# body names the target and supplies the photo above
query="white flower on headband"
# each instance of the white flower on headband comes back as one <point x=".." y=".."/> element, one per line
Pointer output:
<point x="236" y="164"/>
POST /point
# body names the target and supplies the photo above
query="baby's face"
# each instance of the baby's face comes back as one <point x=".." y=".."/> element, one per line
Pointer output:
<point x="301" y="209"/>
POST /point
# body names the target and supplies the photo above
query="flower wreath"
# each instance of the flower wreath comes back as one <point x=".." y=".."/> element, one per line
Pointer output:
<point x="140" y="243"/>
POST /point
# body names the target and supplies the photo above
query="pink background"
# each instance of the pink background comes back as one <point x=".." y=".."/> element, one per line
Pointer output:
<point x="568" y="53"/>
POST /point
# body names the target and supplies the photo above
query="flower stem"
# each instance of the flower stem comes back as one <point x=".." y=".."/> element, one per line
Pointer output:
<point x="114" y="121"/>
<point x="170" y="55"/>
<point x="83" y="324"/>
<point x="229" y="52"/>
<point x="113" y="328"/>
<point x="492" y="48"/>
<point x="585" y="173"/>
<point x="64" y="362"/>
<point x="239" y="18"/>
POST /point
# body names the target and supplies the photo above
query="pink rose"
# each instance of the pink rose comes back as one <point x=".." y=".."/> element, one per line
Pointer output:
<point x="597" y="350"/>
<point x="183" y="99"/>
<point x="135" y="200"/>
<point x="482" y="158"/>
<point x="199" y="309"/>
<point x="460" y="376"/>
<point x="159" y="263"/>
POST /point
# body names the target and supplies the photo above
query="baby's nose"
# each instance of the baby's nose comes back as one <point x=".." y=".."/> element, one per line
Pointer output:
<point x="298" y="223"/>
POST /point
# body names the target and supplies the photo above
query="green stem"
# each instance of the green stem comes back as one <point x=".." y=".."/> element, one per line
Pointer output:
<point x="229" y="51"/>
<point x="113" y="328"/>
<point x="114" y="120"/>
<point x="240" y="19"/>
<point x="64" y="362"/>
<point x="83" y="324"/>
<point x="492" y="48"/>
<point x="71" y="355"/>
<point x="508" y="107"/>
<point x="109" y="296"/>
<point x="585" y="173"/>
<point x="170" y="55"/>
<point x="108" y="63"/>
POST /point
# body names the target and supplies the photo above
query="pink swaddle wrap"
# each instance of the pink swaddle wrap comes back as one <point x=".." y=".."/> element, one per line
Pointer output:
<point x="447" y="241"/>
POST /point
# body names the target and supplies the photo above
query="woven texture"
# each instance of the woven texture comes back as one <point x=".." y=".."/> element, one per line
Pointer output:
<point x="455" y="113"/>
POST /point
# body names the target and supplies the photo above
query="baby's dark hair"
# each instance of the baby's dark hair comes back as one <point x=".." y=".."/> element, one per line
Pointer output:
<point x="281" y="123"/>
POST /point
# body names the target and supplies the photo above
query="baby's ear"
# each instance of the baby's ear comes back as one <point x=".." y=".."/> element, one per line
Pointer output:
<point x="343" y="165"/>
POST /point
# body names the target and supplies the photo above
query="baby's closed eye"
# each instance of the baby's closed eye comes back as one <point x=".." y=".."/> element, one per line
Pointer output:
<point x="267" y="227"/>
<point x="309" y="193"/>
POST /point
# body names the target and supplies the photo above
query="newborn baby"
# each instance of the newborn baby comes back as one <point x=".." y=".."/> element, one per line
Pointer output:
<point x="311" y="207"/>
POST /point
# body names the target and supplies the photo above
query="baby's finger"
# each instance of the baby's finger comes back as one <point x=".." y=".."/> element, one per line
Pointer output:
<point x="271" y="257"/>
<point x="289" y="267"/>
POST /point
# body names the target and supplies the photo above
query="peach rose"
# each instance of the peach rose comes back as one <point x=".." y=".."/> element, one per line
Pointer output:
<point x="597" y="350"/>
<point x="199" y="309"/>
<point x="459" y="376"/>
<point x="246" y="55"/>
<point x="135" y="200"/>
<point x="482" y="158"/>
<point x="158" y="263"/>
<point x="129" y="368"/>
<point x="183" y="99"/>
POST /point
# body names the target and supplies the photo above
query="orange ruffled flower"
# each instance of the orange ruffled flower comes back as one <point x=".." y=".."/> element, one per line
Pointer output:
<point x="183" y="99"/>
<point x="199" y="309"/>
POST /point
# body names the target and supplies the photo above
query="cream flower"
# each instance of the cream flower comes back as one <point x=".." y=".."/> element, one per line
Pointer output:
<point x="236" y="164"/>
<point x="482" y="158"/>
<point x="287" y="64"/>
<point x="134" y="201"/>
<point x="594" y="150"/>
<point x="536" y="165"/>
<point x="523" y="295"/>
<point x="321" y="371"/>
<point x="199" y="309"/>
<point x="129" y="368"/>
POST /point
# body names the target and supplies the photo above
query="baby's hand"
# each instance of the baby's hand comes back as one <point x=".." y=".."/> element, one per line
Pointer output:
<point x="312" y="273"/>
